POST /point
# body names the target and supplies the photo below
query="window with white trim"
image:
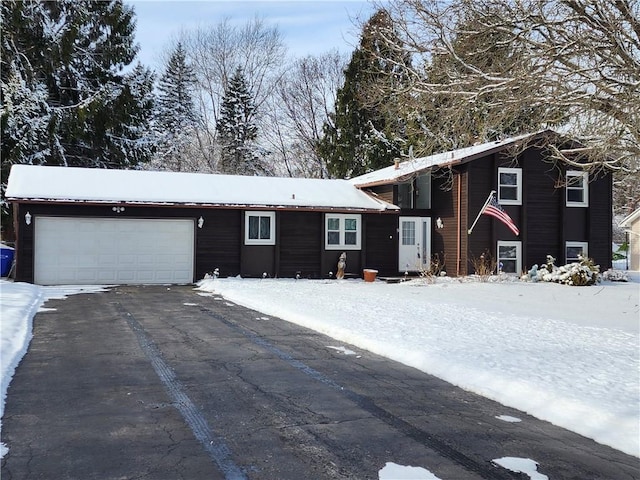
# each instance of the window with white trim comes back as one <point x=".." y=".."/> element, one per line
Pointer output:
<point x="509" y="186"/>
<point x="259" y="228"/>
<point x="577" y="188"/>
<point x="342" y="231"/>
<point x="575" y="251"/>
<point x="509" y="257"/>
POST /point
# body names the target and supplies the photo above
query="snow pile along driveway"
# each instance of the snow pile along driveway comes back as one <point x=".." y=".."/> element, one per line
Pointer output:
<point x="568" y="355"/>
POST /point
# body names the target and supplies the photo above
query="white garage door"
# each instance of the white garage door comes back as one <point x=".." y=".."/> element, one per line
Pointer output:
<point x="113" y="251"/>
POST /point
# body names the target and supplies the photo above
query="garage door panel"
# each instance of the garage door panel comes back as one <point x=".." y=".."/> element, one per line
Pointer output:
<point x="85" y="276"/>
<point x="132" y="251"/>
<point x="107" y="261"/>
<point x="106" y="277"/>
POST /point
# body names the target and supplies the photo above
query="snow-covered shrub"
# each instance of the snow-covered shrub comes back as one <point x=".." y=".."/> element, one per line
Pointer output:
<point x="581" y="273"/>
<point x="615" y="276"/>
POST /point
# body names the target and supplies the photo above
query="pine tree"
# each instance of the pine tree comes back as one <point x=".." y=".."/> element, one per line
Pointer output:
<point x="176" y="117"/>
<point x="365" y="133"/>
<point x="237" y="130"/>
<point x="70" y="55"/>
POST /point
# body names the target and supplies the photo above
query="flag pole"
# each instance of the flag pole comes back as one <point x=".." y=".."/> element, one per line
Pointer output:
<point x="481" y="210"/>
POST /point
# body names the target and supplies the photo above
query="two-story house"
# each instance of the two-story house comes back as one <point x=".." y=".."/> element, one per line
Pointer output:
<point x="558" y="209"/>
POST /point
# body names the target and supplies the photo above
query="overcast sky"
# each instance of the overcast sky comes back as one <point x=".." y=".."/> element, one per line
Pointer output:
<point x="307" y="26"/>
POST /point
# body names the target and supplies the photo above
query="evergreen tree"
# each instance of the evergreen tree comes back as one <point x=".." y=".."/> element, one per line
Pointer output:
<point x="176" y="117"/>
<point x="68" y="57"/>
<point x="134" y="117"/>
<point x="365" y="133"/>
<point x="237" y="130"/>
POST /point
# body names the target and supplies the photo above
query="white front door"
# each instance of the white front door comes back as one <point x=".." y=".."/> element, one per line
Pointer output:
<point x="414" y="246"/>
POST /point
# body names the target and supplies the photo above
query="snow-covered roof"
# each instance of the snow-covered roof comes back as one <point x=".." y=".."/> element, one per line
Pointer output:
<point x="71" y="184"/>
<point x="406" y="169"/>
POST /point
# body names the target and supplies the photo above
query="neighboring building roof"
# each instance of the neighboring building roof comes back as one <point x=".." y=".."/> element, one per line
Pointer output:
<point x="408" y="168"/>
<point x="91" y="185"/>
<point x="629" y="220"/>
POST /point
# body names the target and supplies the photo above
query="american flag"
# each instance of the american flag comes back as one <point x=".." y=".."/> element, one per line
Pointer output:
<point x="495" y="210"/>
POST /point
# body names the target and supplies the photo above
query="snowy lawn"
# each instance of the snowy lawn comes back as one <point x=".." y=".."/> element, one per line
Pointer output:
<point x="569" y="355"/>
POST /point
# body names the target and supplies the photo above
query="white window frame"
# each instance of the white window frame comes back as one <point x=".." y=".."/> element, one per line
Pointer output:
<point x="583" y="245"/>
<point x="272" y="228"/>
<point x="518" y="186"/>
<point x="518" y="246"/>
<point x="585" y="188"/>
<point x="342" y="217"/>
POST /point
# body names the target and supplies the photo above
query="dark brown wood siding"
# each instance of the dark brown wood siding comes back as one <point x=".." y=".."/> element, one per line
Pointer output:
<point x="257" y="261"/>
<point x="449" y="242"/>
<point x="300" y="244"/>
<point x="218" y="242"/>
<point x="466" y="216"/>
<point x="23" y="254"/>
<point x="330" y="263"/>
<point x="381" y="244"/>
<point x="541" y="223"/>
<point x="600" y="221"/>
<point x="487" y="230"/>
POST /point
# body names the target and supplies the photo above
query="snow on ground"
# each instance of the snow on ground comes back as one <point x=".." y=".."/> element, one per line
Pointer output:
<point x="393" y="471"/>
<point x="521" y="465"/>
<point x="568" y="355"/>
<point x="19" y="302"/>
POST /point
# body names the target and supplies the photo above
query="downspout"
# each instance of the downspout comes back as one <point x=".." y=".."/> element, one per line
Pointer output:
<point x="459" y="228"/>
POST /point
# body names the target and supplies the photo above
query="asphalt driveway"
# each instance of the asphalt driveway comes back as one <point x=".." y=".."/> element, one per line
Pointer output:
<point x="165" y="383"/>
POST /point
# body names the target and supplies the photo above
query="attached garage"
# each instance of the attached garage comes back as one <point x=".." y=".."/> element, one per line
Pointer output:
<point x="113" y="250"/>
<point x="93" y="226"/>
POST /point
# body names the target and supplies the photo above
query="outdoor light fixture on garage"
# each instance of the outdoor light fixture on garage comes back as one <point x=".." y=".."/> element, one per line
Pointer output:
<point x="200" y="222"/>
<point x="27" y="218"/>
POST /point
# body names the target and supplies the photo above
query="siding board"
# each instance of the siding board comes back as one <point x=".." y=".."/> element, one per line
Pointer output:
<point x="300" y="244"/>
<point x="381" y="244"/>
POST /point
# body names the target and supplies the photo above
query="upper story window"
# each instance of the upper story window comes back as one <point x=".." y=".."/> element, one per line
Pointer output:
<point x="510" y="186"/>
<point x="405" y="195"/>
<point x="577" y="188"/>
<point x="343" y="231"/>
<point x="260" y="228"/>
<point x="574" y="251"/>
<point x="416" y="193"/>
<point x="423" y="191"/>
